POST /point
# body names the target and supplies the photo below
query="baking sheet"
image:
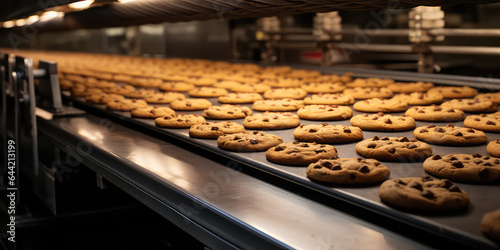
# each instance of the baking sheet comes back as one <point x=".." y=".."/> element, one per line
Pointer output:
<point x="462" y="226"/>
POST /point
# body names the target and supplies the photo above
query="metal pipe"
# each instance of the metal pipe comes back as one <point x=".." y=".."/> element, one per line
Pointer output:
<point x="465" y="50"/>
<point x="371" y="32"/>
<point x="464" y="32"/>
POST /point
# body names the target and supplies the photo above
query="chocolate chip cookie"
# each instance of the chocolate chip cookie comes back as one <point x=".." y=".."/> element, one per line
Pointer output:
<point x="271" y="120"/>
<point x="179" y="121"/>
<point x="484" y="122"/>
<point x="278" y="105"/>
<point x="240" y="98"/>
<point x="423" y="193"/>
<point x="288" y="93"/>
<point x="323" y="87"/>
<point x="212" y="130"/>
<point x="493" y="97"/>
<point x="419" y="98"/>
<point x="248" y="141"/>
<point x="176" y="86"/>
<point x="452" y="92"/>
<point x="383" y="122"/>
<point x="327" y="99"/>
<point x="399" y="149"/>
<point x="325" y="133"/>
<point x="490" y="225"/>
<point x="360" y="93"/>
<point x="325" y="112"/>
<point x="464" y="167"/>
<point x="163" y="98"/>
<point x="450" y="135"/>
<point x="435" y="114"/>
<point x="207" y="92"/>
<point x="380" y="105"/>
<point x="152" y="112"/>
<point x="409" y="87"/>
<point x="126" y="104"/>
<point x="369" y="83"/>
<point x="348" y="171"/>
<point x="190" y="104"/>
<point x="471" y="105"/>
<point x="493" y="148"/>
<point x="103" y="98"/>
<point x="300" y="153"/>
<point x="226" y="112"/>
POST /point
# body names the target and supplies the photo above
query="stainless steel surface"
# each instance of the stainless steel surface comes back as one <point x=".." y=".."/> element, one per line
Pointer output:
<point x="440" y="49"/>
<point x="372" y="32"/>
<point x="260" y="207"/>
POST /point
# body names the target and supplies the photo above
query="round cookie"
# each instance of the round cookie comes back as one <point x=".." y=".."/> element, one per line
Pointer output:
<point x="176" y="86"/>
<point x="126" y="104"/>
<point x="190" y="104"/>
<point x="383" y="122"/>
<point x="493" y="97"/>
<point x="278" y="105"/>
<point x="163" y="98"/>
<point x="179" y="121"/>
<point x="323" y="87"/>
<point x="325" y="133"/>
<point x="120" y="89"/>
<point x="139" y="93"/>
<point x="423" y="193"/>
<point x="409" y="87"/>
<point x="201" y="81"/>
<point x="380" y="105"/>
<point x="450" y="135"/>
<point x="212" y="130"/>
<point x="419" y="98"/>
<point x="285" y="93"/>
<point x="471" y="105"/>
<point x="283" y="82"/>
<point x="329" y="99"/>
<point x="226" y="84"/>
<point x="248" y="141"/>
<point x="451" y="92"/>
<point x="360" y="93"/>
<point x="493" y="148"/>
<point x="103" y="98"/>
<point x="83" y="91"/>
<point x="303" y="73"/>
<point x="484" y="122"/>
<point x="300" y="153"/>
<point x="227" y="111"/>
<point x="250" y="88"/>
<point x="348" y="171"/>
<point x="398" y="149"/>
<point x="240" y="98"/>
<point x="325" y="112"/>
<point x="490" y="225"/>
<point x="435" y="114"/>
<point x="369" y="82"/>
<point x="464" y="167"/>
<point x="271" y="120"/>
<point x="152" y="112"/>
<point x="207" y="92"/>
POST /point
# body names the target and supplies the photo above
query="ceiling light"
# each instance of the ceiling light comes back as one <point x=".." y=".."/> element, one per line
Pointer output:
<point x="81" y="4"/>
<point x="9" y="24"/>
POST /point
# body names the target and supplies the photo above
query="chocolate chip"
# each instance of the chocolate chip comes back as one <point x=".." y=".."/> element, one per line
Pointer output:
<point x="453" y="158"/>
<point x="179" y="120"/>
<point x="428" y="194"/>
<point x="454" y="188"/>
<point x="254" y="141"/>
<point x="391" y="150"/>
<point x="420" y="111"/>
<point x="312" y="130"/>
<point x="375" y="118"/>
<point x="347" y="130"/>
<point x="359" y="159"/>
<point x="440" y="130"/>
<point x="486" y="157"/>
<point x="458" y="164"/>
<point x="375" y="138"/>
<point x="401" y="182"/>
<point x="431" y="126"/>
<point x="476" y="155"/>
<point x="387" y="121"/>
<point x="336" y="166"/>
<point x="446" y="184"/>
<point x="458" y="134"/>
<point x="484" y="174"/>
<point x="364" y="169"/>
<point x="265" y="120"/>
<point x="477" y="119"/>
<point x="478" y="161"/>
<point x="215" y="128"/>
<point x="411" y="146"/>
<point x="449" y="125"/>
<point x="324" y="124"/>
<point x="317" y="167"/>
<point x="229" y="112"/>
<point x="436" y="157"/>
<point x="423" y="130"/>
<point x="416" y="185"/>
<point x="487" y="164"/>
<point x="384" y="138"/>
<point x="427" y="178"/>
<point x="326" y="164"/>
<point x="372" y="145"/>
<point x="471" y="131"/>
<point x="404" y="139"/>
<point x="438" y="109"/>
<point x="279" y="148"/>
<point x="490" y="123"/>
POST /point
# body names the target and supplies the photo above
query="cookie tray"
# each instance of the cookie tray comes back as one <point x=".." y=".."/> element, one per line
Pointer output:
<point x="462" y="227"/>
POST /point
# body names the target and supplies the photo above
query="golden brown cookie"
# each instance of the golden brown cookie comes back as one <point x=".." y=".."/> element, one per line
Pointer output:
<point x="300" y="153"/>
<point x="399" y="149"/>
<point x="348" y="171"/>
<point x="435" y="114"/>
<point x="374" y="105"/>
<point x="450" y="135"/>
<point x="451" y="92"/>
<point x="227" y="111"/>
<point x="360" y="93"/>
<point x="325" y="112"/>
<point x="327" y="99"/>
